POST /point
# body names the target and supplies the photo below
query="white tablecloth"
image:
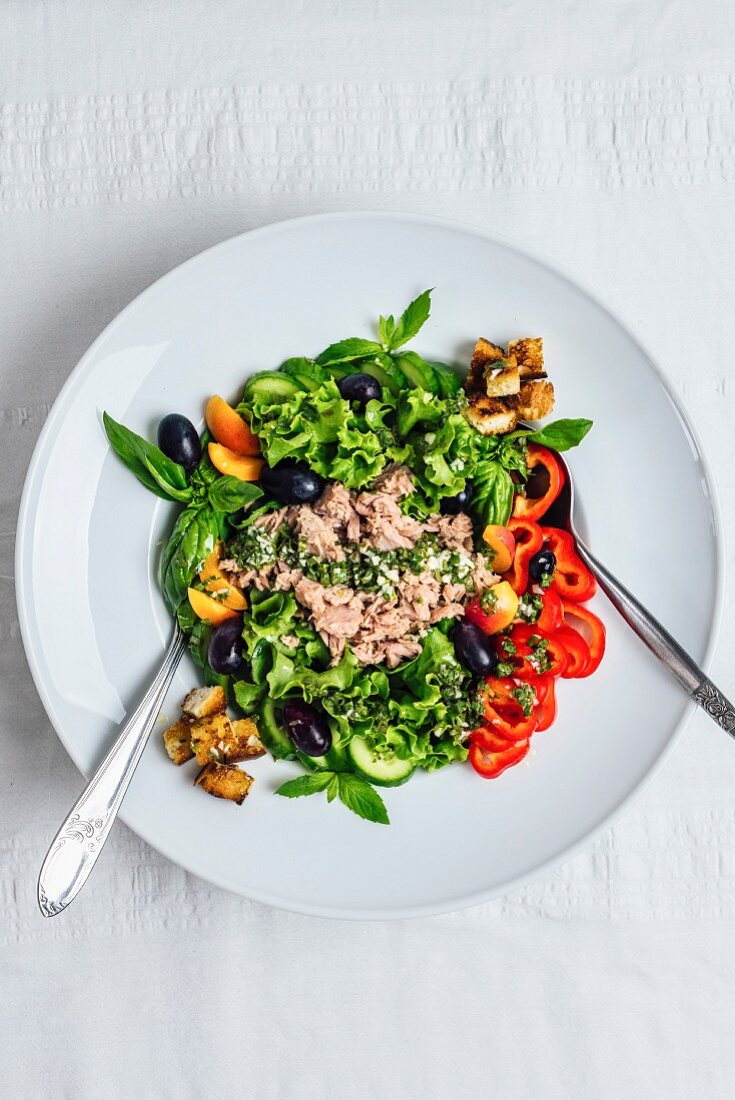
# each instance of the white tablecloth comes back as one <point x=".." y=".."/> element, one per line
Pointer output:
<point x="136" y="132"/>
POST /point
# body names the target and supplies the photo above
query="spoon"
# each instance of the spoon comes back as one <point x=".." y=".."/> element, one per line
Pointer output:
<point x="698" y="687"/>
<point x="74" y="849"/>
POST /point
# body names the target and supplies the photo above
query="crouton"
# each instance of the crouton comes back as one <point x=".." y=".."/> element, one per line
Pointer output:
<point x="245" y="745"/>
<point x="203" y="701"/>
<point x="484" y="355"/>
<point x="209" y="736"/>
<point x="534" y="401"/>
<point x="530" y="356"/>
<point x="502" y="378"/>
<point x="489" y="415"/>
<point x="224" y="781"/>
<point x="177" y="741"/>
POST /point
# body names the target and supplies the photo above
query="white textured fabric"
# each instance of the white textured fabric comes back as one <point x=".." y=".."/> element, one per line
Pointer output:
<point x="132" y="134"/>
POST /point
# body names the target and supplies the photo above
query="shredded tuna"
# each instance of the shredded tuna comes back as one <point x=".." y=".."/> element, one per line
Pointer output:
<point x="321" y="537"/>
<point x="396" y="480"/>
<point x="271" y="521"/>
<point x="384" y="524"/>
<point x="455" y="532"/>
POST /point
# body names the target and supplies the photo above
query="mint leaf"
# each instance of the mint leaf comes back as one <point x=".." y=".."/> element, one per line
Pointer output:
<point x="345" y="351"/>
<point x="410" y="321"/>
<point x="386" y="329"/>
<point x="333" y="789"/>
<point x="362" y="799"/>
<point x="561" y="435"/>
<point x="305" y="784"/>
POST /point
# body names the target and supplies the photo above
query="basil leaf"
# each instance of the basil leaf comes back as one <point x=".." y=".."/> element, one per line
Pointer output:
<point x="171" y="491"/>
<point x="357" y="795"/>
<point x="133" y="450"/>
<point x="305" y="784"/>
<point x="493" y="492"/>
<point x="411" y="321"/>
<point x="229" y="494"/>
<point x="192" y="541"/>
<point x="561" y="435"/>
<point x="346" y="350"/>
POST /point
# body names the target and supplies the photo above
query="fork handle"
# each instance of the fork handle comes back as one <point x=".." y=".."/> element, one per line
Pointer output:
<point x="697" y="686"/>
<point x="74" y="849"/>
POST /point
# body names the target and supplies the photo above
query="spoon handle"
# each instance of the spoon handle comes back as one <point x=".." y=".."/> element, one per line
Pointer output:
<point x="698" y="686"/>
<point x="74" y="849"/>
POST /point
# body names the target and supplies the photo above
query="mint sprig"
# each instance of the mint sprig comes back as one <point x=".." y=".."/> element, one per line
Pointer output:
<point x="354" y="793"/>
<point x="394" y="334"/>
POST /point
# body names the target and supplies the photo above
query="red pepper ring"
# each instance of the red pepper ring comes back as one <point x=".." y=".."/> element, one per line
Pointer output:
<point x="545" y="710"/>
<point x="525" y="661"/>
<point x="529" y="540"/>
<point x="593" y="634"/>
<point x="545" y="481"/>
<point x="578" y="653"/>
<point x="503" y="713"/>
<point x="571" y="578"/>
<point x="490" y="762"/>
<point x="552" y="612"/>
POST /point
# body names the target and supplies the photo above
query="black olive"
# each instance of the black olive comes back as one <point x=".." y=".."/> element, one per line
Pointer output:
<point x="474" y="649"/>
<point x="225" y="647"/>
<point x="544" y="562"/>
<point x="179" y="440"/>
<point x="307" y="727"/>
<point x="452" y="506"/>
<point x="291" y="482"/>
<point x="360" y="387"/>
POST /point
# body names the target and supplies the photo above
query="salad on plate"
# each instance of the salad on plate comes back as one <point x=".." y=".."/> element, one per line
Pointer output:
<point x="366" y="566"/>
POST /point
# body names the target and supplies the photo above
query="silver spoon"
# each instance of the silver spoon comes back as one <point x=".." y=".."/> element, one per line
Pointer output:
<point x="74" y="849"/>
<point x="697" y="686"/>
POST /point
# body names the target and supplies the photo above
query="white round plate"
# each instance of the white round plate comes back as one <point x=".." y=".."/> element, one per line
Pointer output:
<point x="95" y="627"/>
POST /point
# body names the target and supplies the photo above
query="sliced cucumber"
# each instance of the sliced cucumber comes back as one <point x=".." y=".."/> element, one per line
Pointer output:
<point x="419" y="374"/>
<point x="270" y="383"/>
<point x="385" y="371"/>
<point x="336" y="760"/>
<point x="449" y="382"/>
<point x="385" y="771"/>
<point x="272" y="733"/>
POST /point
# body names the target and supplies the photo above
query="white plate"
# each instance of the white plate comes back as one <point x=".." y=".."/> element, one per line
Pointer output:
<point x="94" y="624"/>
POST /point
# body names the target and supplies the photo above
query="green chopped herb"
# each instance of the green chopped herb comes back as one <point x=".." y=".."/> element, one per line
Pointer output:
<point x="509" y="647"/>
<point x="488" y="600"/>
<point x="525" y="696"/>
<point x="530" y="607"/>
<point x="504" y="668"/>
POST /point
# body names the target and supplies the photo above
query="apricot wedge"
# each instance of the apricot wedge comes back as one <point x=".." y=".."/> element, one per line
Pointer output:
<point x="229" y="428"/>
<point x="246" y="467"/>
<point x="503" y="545"/>
<point x="214" y="581"/>
<point x="207" y="608"/>
<point x="502" y="607"/>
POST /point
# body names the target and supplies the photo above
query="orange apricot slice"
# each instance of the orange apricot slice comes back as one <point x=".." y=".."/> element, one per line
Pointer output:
<point x="207" y="608"/>
<point x="214" y="581"/>
<point x="229" y="428"/>
<point x="246" y="467"/>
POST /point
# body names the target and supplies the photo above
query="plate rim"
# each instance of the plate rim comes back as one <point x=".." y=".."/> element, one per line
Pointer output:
<point x="22" y="564"/>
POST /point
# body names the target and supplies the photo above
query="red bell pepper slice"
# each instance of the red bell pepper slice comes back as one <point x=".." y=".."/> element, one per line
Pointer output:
<point x="578" y="653"/>
<point x="503" y="713"/>
<point x="571" y="578"/>
<point x="529" y="540"/>
<point x="545" y="710"/>
<point x="545" y="481"/>
<point x="490" y="762"/>
<point x="552" y="612"/>
<point x="593" y="634"/>
<point x="528" y="660"/>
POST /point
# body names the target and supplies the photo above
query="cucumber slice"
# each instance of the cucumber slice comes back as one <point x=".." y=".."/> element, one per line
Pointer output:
<point x="419" y="374"/>
<point x="336" y="760"/>
<point x="272" y="733"/>
<point x="385" y="371"/>
<point x="387" y="771"/>
<point x="270" y="383"/>
<point x="306" y="381"/>
<point x="449" y="382"/>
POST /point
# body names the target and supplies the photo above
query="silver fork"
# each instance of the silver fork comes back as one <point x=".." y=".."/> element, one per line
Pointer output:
<point x="691" y="677"/>
<point x="74" y="849"/>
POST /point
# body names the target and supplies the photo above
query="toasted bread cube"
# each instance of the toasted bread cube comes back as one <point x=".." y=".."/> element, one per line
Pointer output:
<point x="502" y="378"/>
<point x="490" y="415"/>
<point x="177" y="742"/>
<point x="224" y="781"/>
<point x="534" y="401"/>
<point x="484" y="355"/>
<point x="210" y="736"/>
<point x="203" y="701"/>
<point x="245" y="743"/>
<point x="529" y="352"/>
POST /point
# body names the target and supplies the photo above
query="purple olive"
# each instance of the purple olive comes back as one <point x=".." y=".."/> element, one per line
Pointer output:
<point x="291" y="482"/>
<point x="307" y="727"/>
<point x="360" y="388"/>
<point x="225" y="647"/>
<point x="452" y="506"/>
<point x="474" y="649"/>
<point x="179" y="440"/>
